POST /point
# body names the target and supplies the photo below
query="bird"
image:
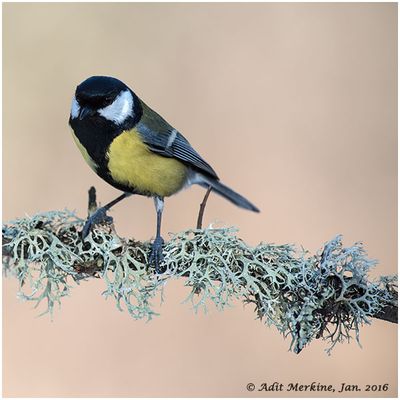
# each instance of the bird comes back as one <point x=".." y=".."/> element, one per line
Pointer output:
<point x="136" y="151"/>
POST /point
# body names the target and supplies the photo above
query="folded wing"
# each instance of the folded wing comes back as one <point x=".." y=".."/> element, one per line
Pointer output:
<point x="163" y="139"/>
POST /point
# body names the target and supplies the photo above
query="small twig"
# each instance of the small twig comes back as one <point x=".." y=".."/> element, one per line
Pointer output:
<point x="202" y="208"/>
<point x="92" y="203"/>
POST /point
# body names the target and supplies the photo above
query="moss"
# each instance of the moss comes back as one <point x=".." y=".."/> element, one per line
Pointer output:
<point x="327" y="295"/>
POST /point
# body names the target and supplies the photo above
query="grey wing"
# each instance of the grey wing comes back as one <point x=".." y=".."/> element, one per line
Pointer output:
<point x="163" y="139"/>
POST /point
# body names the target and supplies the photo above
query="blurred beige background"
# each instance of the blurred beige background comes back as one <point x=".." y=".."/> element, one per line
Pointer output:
<point x="295" y="107"/>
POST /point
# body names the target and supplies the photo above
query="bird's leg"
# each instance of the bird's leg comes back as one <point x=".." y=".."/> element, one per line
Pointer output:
<point x="100" y="215"/>
<point x="156" y="249"/>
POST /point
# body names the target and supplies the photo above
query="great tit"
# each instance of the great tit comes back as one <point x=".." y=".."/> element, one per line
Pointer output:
<point x="135" y="150"/>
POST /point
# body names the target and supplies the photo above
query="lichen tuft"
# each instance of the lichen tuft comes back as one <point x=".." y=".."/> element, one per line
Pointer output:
<point x="306" y="297"/>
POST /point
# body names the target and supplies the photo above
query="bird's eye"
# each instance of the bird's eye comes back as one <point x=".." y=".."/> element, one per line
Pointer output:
<point x="106" y="101"/>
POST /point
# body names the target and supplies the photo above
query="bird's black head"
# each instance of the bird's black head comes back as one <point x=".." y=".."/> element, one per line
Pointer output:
<point x="100" y="98"/>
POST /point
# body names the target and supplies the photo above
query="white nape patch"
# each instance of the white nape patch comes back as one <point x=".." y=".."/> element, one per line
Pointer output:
<point x="120" y="109"/>
<point x="75" y="108"/>
<point x="171" y="138"/>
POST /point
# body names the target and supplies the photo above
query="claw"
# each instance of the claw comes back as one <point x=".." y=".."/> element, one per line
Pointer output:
<point x="156" y="255"/>
<point x="98" y="217"/>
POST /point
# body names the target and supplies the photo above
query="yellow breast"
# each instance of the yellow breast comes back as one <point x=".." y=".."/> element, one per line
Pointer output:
<point x="131" y="163"/>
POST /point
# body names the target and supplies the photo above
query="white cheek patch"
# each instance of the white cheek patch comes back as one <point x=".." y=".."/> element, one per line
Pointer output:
<point x="75" y="108"/>
<point x="120" y="109"/>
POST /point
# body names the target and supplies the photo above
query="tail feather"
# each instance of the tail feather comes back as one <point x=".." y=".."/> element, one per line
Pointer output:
<point x="227" y="193"/>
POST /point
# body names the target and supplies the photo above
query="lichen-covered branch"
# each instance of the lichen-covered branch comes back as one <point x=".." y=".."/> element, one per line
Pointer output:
<point x="327" y="295"/>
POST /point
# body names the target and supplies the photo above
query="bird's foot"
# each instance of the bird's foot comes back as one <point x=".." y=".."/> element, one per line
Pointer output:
<point x="98" y="217"/>
<point x="156" y="255"/>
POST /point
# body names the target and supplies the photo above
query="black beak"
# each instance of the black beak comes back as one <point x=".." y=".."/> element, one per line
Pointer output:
<point x="86" y="111"/>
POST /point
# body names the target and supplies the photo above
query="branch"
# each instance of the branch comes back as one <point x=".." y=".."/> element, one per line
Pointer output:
<point x="327" y="295"/>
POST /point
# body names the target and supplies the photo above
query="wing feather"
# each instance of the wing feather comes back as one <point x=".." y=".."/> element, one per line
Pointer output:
<point x="163" y="139"/>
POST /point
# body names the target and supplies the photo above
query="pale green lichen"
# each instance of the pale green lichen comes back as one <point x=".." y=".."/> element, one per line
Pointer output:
<point x="327" y="295"/>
